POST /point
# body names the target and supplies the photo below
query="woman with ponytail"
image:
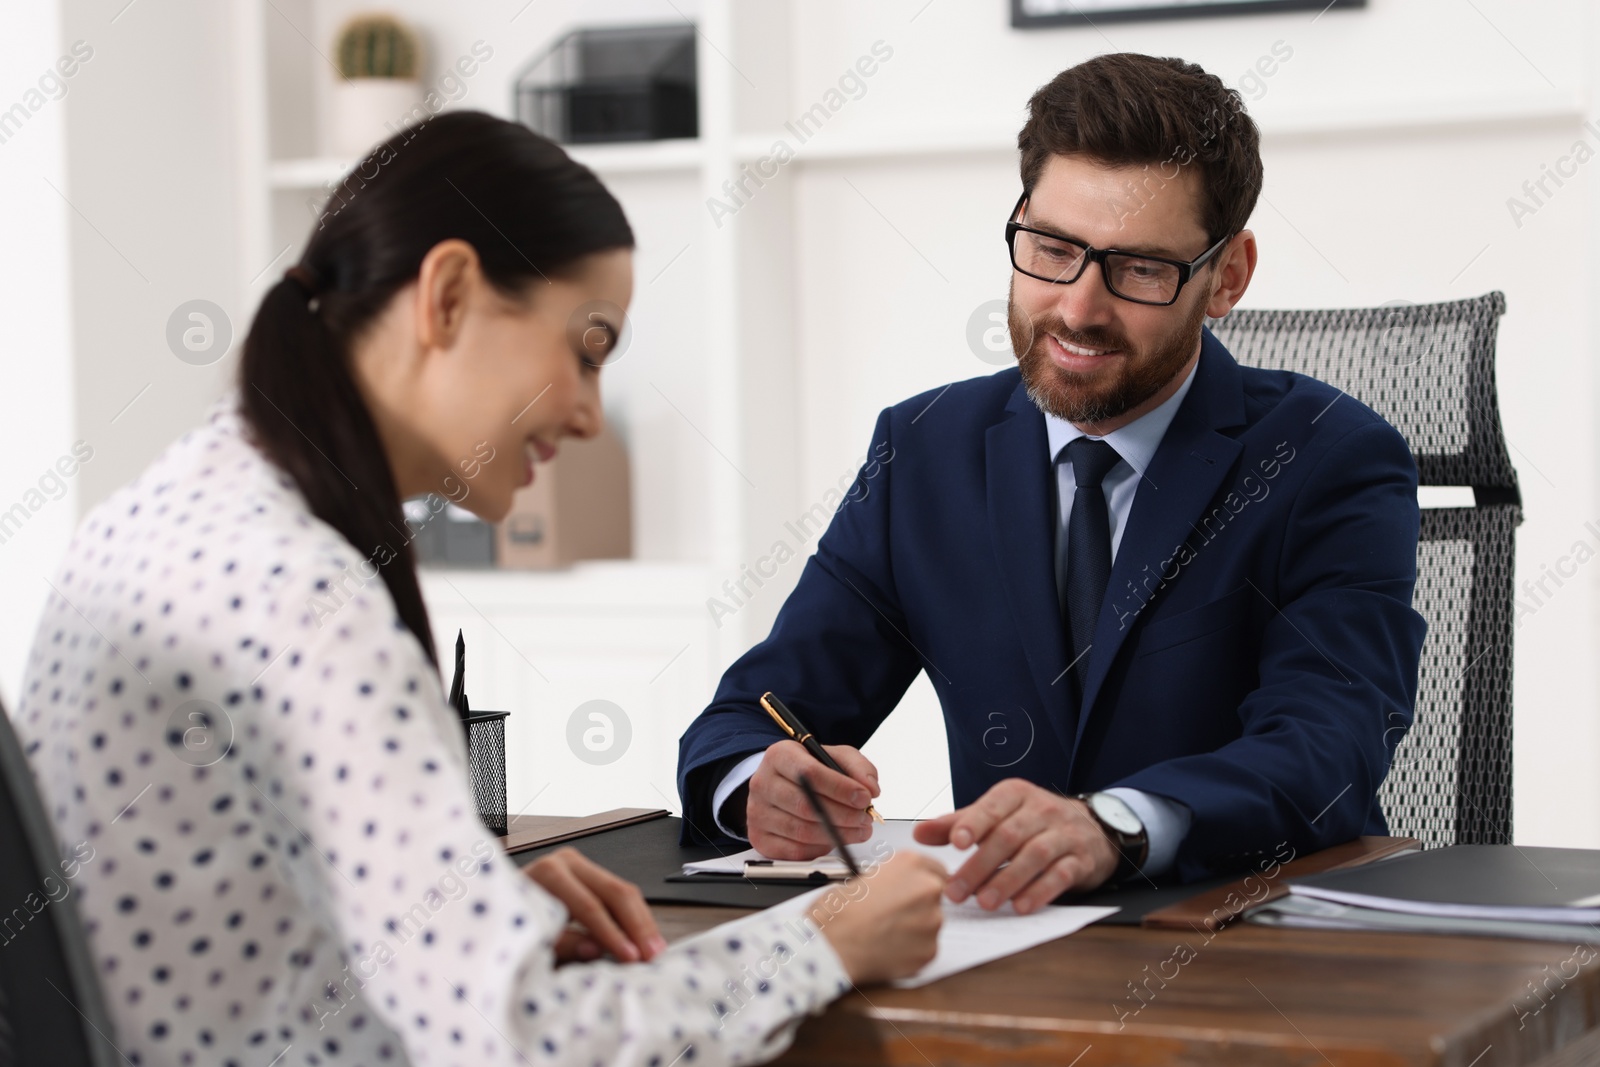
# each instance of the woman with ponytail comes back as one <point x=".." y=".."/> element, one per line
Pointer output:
<point x="233" y="699"/>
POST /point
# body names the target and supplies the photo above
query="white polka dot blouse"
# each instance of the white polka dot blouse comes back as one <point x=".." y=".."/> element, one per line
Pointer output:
<point x="270" y="831"/>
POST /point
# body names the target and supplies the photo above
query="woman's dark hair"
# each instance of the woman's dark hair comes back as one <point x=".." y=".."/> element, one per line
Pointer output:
<point x="1127" y="108"/>
<point x="524" y="205"/>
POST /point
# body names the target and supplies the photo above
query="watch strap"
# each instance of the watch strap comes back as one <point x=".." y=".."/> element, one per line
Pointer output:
<point x="1133" y="850"/>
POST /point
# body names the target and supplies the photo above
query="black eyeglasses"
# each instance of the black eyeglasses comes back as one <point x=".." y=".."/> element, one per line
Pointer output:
<point x="1051" y="257"/>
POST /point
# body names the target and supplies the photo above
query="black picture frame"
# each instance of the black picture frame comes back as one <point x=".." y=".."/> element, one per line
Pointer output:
<point x="1076" y="16"/>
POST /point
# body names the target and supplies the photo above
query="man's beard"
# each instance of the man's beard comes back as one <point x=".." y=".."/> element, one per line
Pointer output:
<point x="1088" y="399"/>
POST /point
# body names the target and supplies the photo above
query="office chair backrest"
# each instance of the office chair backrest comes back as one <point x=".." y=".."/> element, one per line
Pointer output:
<point x="51" y="1011"/>
<point x="1429" y="370"/>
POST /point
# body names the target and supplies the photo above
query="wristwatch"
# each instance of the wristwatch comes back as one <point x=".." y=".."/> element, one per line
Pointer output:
<point x="1123" y="828"/>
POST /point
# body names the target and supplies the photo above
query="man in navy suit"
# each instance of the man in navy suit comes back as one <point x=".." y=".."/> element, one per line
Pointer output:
<point x="1164" y="600"/>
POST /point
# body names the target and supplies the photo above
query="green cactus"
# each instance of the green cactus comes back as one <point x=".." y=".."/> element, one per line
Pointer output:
<point x="377" y="46"/>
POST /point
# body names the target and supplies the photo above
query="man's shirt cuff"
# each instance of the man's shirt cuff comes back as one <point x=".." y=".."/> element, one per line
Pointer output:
<point x="1166" y="823"/>
<point x="742" y="772"/>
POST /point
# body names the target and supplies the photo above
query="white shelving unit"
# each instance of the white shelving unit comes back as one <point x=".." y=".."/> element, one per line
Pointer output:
<point x="654" y="157"/>
<point x="695" y="375"/>
<point x="708" y="486"/>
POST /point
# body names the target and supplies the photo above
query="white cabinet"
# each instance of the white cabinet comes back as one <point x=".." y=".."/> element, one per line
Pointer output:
<point x="547" y="646"/>
<point x="635" y="644"/>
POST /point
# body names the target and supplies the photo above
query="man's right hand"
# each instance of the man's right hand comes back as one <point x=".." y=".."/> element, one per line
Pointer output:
<point x="780" y="821"/>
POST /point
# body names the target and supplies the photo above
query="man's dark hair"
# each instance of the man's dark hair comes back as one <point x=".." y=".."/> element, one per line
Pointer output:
<point x="1127" y="108"/>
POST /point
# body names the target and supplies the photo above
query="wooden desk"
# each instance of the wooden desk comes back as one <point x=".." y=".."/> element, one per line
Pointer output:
<point x="1247" y="997"/>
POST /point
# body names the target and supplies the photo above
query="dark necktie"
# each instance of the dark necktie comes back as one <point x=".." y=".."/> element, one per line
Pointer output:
<point x="1088" y="548"/>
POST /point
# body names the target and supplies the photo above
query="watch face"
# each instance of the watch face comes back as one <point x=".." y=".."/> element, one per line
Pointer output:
<point x="1116" y="813"/>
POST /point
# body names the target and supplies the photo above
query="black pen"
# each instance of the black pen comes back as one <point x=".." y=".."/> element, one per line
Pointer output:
<point x="796" y="729"/>
<point x="827" y="824"/>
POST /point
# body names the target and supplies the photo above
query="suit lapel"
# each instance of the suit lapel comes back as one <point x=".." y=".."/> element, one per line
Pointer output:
<point x="1022" y="524"/>
<point x="1189" y="466"/>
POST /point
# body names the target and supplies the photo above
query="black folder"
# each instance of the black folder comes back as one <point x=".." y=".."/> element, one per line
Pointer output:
<point x="648" y="854"/>
<point x="1498" y="882"/>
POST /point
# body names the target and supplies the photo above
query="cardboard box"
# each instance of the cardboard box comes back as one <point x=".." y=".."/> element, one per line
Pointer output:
<point x="578" y="507"/>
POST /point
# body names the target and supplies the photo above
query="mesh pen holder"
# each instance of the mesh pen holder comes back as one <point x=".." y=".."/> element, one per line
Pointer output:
<point x="486" y="765"/>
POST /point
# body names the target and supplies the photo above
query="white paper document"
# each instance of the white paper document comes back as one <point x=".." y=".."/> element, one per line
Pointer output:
<point x="970" y="936"/>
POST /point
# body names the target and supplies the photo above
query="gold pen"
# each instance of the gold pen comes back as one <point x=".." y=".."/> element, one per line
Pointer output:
<point x="796" y="729"/>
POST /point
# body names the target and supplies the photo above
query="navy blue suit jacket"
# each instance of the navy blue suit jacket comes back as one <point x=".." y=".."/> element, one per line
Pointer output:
<point x="1255" y="658"/>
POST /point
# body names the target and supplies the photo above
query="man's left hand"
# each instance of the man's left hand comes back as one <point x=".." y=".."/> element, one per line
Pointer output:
<point x="1048" y="844"/>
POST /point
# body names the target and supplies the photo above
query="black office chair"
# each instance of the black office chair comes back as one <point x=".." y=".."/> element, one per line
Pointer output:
<point x="51" y="1011"/>
<point x="1429" y="370"/>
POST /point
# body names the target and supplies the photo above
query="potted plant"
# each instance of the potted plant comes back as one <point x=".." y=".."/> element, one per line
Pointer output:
<point x="378" y="57"/>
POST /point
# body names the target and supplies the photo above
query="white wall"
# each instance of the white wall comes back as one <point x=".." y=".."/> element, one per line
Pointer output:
<point x="36" y="423"/>
<point x="150" y="163"/>
<point x="120" y="209"/>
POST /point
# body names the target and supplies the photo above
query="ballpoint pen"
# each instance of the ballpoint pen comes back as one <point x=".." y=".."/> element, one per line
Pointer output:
<point x="796" y="729"/>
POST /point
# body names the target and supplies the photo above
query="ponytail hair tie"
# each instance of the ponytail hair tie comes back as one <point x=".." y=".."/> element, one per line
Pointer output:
<point x="307" y="282"/>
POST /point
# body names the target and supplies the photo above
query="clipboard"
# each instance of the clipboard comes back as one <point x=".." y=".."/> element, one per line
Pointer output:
<point x="769" y="872"/>
<point x="526" y="832"/>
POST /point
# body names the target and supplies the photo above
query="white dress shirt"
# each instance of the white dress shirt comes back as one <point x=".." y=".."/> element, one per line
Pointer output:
<point x="1165" y="821"/>
<point x="301" y="873"/>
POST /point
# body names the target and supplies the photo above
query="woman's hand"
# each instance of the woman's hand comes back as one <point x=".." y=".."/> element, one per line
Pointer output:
<point x="888" y="926"/>
<point x="577" y="945"/>
<point x="609" y="912"/>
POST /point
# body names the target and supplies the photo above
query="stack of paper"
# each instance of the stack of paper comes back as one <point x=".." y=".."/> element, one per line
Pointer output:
<point x="1492" y="890"/>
